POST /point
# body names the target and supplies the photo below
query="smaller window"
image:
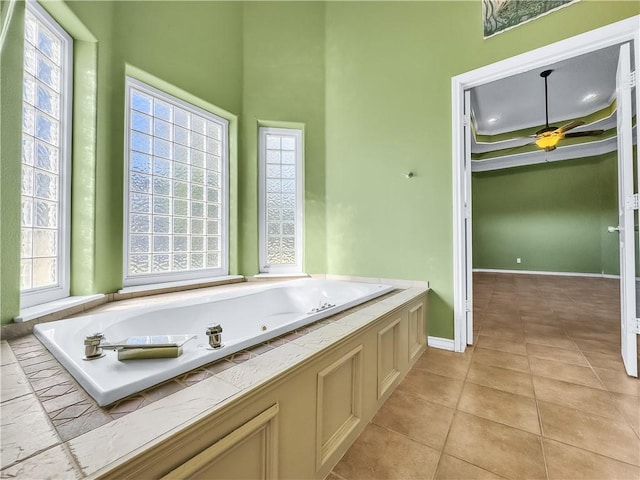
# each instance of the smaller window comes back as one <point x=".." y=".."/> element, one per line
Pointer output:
<point x="281" y="200"/>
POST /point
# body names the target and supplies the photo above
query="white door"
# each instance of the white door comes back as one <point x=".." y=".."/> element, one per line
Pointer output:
<point x="626" y="210"/>
<point x="467" y="217"/>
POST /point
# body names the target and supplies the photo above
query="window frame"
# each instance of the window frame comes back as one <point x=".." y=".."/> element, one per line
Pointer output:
<point x="38" y="296"/>
<point x="154" y="278"/>
<point x="264" y="266"/>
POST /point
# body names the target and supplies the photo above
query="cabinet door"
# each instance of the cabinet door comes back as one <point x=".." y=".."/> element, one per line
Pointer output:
<point x="250" y="451"/>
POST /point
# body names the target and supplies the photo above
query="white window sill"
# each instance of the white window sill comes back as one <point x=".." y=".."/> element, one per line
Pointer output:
<point x="281" y="275"/>
<point x="150" y="288"/>
<point x="37" y="311"/>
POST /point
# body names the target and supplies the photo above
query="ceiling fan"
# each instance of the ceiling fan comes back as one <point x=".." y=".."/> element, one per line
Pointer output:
<point x="548" y="137"/>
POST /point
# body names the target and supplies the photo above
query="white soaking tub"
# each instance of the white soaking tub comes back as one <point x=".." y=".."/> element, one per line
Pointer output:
<point x="246" y="319"/>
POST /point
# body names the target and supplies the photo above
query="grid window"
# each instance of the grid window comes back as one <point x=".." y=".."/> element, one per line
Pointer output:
<point x="281" y="200"/>
<point x="176" y="211"/>
<point x="46" y="127"/>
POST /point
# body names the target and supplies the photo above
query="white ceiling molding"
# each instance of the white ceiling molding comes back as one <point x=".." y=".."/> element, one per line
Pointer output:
<point x="583" y="150"/>
<point x="606" y="123"/>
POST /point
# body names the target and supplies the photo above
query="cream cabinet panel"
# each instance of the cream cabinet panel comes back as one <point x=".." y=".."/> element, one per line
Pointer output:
<point x="388" y="356"/>
<point x="417" y="338"/>
<point x="339" y="403"/>
<point x="250" y="451"/>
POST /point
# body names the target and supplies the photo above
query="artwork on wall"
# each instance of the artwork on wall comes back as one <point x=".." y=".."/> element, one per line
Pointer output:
<point x="501" y="15"/>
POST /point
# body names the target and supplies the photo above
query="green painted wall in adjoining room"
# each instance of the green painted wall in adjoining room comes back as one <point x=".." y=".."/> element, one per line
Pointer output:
<point x="609" y="242"/>
<point x="284" y="80"/>
<point x="550" y="215"/>
<point x="389" y="67"/>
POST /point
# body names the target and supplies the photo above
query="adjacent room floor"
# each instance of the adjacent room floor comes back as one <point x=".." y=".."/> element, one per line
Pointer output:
<point x="542" y="394"/>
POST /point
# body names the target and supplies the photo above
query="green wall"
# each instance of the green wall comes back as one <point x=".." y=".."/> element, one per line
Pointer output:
<point x="551" y="215"/>
<point x="370" y="81"/>
<point x="284" y="78"/>
<point x="10" y="170"/>
<point x="196" y="47"/>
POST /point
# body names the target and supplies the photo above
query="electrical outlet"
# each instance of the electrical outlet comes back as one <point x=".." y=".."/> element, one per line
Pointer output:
<point x="518" y="260"/>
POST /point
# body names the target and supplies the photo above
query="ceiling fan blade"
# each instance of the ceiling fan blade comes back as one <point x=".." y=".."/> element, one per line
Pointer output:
<point x="588" y="133"/>
<point x="570" y="126"/>
<point x="514" y="150"/>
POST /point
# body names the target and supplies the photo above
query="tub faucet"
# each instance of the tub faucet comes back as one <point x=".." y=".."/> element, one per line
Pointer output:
<point x="92" y="347"/>
<point x="214" y="332"/>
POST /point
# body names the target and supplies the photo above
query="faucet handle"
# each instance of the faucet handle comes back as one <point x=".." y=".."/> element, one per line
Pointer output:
<point x="94" y="338"/>
<point x="213" y="329"/>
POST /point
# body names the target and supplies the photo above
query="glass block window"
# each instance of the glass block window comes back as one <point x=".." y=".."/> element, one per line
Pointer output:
<point x="46" y="129"/>
<point x="281" y="200"/>
<point x="176" y="184"/>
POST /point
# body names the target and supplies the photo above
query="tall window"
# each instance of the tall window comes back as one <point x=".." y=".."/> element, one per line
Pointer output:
<point x="176" y="189"/>
<point x="281" y="200"/>
<point x="46" y="174"/>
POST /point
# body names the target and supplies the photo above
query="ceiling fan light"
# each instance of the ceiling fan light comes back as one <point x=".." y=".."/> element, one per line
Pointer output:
<point x="548" y="141"/>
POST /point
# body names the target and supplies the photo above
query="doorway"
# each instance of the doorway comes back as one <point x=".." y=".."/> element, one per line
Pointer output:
<point x="624" y="32"/>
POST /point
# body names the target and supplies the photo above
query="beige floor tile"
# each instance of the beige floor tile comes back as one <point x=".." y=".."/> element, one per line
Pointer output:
<point x="501" y="359"/>
<point x="565" y="462"/>
<point x="605" y="436"/>
<point x="573" y="357"/>
<point x="558" y="340"/>
<point x="630" y="408"/>
<point x="451" y="468"/>
<point x="597" y="346"/>
<point x="500" y="378"/>
<point x="605" y="360"/>
<point x="441" y="362"/>
<point x="619" y="382"/>
<point x="418" y="419"/>
<point x="499" y="332"/>
<point x="381" y="454"/>
<point x="502" y="450"/>
<point x="574" y="396"/>
<point x="503" y="407"/>
<point x="501" y="344"/>
<point x="533" y="328"/>
<point x="564" y="371"/>
<point x="332" y="476"/>
<point x="434" y="388"/>
<point x="601" y="333"/>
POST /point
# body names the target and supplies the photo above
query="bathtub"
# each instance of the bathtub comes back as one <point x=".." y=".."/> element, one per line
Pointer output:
<point x="248" y="316"/>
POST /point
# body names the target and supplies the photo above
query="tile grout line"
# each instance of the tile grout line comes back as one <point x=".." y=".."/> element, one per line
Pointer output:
<point x="540" y="424"/>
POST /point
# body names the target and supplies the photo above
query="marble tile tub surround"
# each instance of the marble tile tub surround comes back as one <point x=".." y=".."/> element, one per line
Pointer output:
<point x="76" y="428"/>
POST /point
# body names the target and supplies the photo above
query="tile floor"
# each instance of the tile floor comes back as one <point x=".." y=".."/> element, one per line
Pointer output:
<point x="542" y="394"/>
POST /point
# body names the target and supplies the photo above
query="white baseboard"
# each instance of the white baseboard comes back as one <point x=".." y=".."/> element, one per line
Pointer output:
<point x="439" y="342"/>
<point x="538" y="272"/>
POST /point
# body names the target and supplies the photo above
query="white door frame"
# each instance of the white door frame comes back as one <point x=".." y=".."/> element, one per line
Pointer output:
<point x="613" y="34"/>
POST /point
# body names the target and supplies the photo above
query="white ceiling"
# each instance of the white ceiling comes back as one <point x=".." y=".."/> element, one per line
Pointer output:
<point x="517" y="102"/>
